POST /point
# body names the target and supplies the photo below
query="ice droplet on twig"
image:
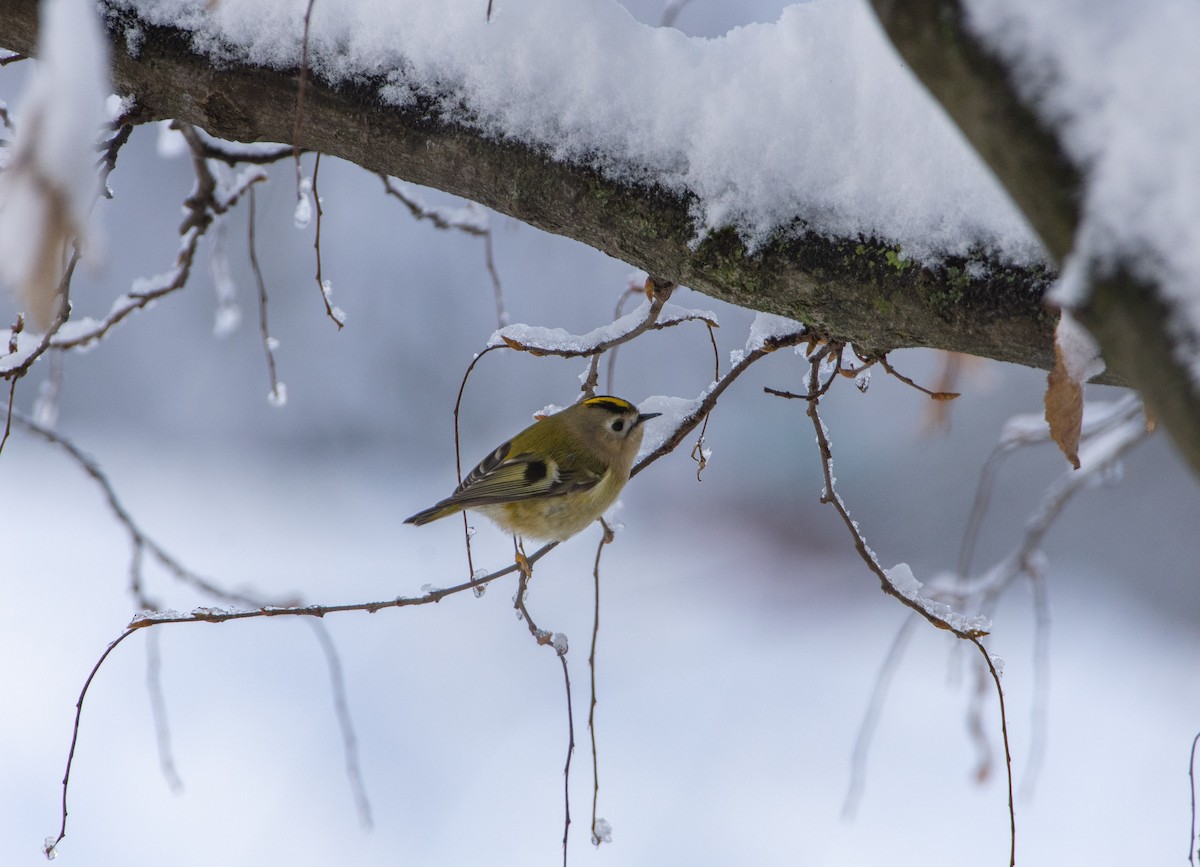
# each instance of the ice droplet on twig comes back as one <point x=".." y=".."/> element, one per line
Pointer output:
<point x="601" y="832"/>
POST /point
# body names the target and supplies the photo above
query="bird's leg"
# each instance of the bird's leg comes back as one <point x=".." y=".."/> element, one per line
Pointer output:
<point x="523" y="564"/>
<point x="526" y="572"/>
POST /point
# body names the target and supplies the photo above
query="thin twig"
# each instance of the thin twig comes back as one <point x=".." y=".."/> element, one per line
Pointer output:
<point x="437" y="216"/>
<point x="108" y="162"/>
<point x="278" y="394"/>
<point x="936" y="395"/>
<point x="489" y="260"/>
<point x="48" y="339"/>
<point x="699" y="452"/>
<point x="671" y="12"/>
<point x="158" y="712"/>
<point x="1012" y="812"/>
<point x="562" y="657"/>
<point x="50" y="845"/>
<point x="201" y="207"/>
<point x="558" y="644"/>
<point x="8" y="416"/>
<point x="462" y="386"/>
<point x="605" y="538"/>
<point x="1192" y="787"/>
<point x="870" y="721"/>
<point x="300" y="86"/>
<point x="917" y="603"/>
<point x="1039" y="712"/>
<point x="338" y="317"/>
<point x="233" y="154"/>
<point x="142" y="543"/>
<point x="961" y="628"/>
<point x="341" y="708"/>
<point x="693" y="419"/>
<point x="634" y="288"/>
<point x="660" y="293"/>
<point x="138" y="538"/>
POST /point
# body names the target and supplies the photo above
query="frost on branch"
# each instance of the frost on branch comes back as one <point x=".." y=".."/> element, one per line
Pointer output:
<point x="767" y="327"/>
<point x="905" y="583"/>
<point x="50" y="181"/>
<point x="558" y="341"/>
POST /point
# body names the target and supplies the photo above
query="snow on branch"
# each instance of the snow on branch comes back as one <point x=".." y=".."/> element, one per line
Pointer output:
<point x="653" y="314"/>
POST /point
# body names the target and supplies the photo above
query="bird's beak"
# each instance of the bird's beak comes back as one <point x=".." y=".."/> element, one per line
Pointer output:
<point x="646" y="416"/>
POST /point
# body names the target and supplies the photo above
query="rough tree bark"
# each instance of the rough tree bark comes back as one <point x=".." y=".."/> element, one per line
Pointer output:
<point x="853" y="289"/>
<point x="1137" y="331"/>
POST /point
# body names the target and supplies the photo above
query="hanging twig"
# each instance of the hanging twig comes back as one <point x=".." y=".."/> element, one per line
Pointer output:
<point x="278" y="393"/>
<point x="605" y="538"/>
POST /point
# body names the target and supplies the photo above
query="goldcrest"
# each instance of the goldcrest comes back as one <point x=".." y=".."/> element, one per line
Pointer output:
<point x="555" y="477"/>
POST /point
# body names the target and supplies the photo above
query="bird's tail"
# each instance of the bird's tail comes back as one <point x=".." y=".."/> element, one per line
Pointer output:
<point x="440" y="510"/>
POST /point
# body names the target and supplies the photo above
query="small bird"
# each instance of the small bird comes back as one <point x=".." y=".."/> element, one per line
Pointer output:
<point x="555" y="477"/>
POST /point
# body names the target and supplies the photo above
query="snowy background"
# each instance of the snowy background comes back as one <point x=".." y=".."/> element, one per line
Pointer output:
<point x="740" y="637"/>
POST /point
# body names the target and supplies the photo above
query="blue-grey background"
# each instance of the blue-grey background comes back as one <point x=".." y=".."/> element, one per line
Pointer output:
<point x="740" y="635"/>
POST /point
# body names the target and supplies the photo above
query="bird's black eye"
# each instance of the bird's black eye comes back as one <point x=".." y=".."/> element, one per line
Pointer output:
<point x="618" y="425"/>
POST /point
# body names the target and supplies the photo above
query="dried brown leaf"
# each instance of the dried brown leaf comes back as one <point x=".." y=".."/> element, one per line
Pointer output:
<point x="1064" y="409"/>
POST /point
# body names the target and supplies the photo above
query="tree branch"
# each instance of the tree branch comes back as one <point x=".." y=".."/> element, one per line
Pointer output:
<point x="848" y="288"/>
<point x="1136" y="329"/>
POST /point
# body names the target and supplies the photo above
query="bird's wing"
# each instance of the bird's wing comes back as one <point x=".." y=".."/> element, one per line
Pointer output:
<point x="500" y="478"/>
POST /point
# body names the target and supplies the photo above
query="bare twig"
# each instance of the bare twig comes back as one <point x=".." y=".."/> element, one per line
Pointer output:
<point x="334" y="313"/>
<point x="938" y="614"/>
<point x="139" y="540"/>
<point x="562" y="658"/>
<point x="50" y="845"/>
<point x="936" y="395"/>
<point x="235" y="154"/>
<point x="467" y="221"/>
<point x="158" y="711"/>
<point x="108" y="162"/>
<point x="1192" y="787"/>
<point x="462" y="386"/>
<point x="278" y="394"/>
<point x="1012" y="813"/>
<point x="300" y="86"/>
<point x="558" y="643"/>
<point x="699" y="452"/>
<point x="205" y="202"/>
<point x="960" y="627"/>
<point x="489" y="260"/>
<point x="1039" y="712"/>
<point x="693" y="419"/>
<point x="605" y="538"/>
<point x="634" y="288"/>
<point x="671" y="11"/>
<point x="8" y="416"/>
<point x="659" y="292"/>
<point x="143" y="543"/>
<point x="870" y="722"/>
<point x="48" y="339"/>
<point x="341" y="707"/>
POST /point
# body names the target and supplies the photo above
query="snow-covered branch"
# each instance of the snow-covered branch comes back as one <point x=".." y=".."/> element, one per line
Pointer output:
<point x="838" y="283"/>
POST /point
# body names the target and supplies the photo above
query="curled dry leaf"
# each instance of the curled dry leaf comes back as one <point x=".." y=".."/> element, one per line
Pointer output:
<point x="1064" y="408"/>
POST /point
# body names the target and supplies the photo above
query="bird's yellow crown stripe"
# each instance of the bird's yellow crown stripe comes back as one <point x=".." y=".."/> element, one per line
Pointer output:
<point x="614" y="404"/>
